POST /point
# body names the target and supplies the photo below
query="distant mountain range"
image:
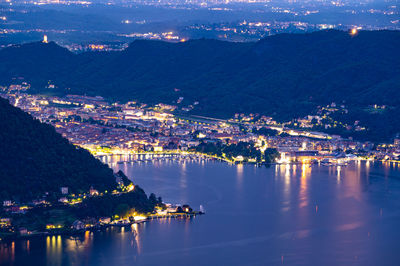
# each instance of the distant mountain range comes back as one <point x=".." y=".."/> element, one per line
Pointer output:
<point x="284" y="76"/>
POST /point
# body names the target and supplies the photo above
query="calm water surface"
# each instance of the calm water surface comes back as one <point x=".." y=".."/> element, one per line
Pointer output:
<point x="290" y="215"/>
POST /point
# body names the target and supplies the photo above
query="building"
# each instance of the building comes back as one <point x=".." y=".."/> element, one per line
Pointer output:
<point x="64" y="190"/>
<point x="78" y="225"/>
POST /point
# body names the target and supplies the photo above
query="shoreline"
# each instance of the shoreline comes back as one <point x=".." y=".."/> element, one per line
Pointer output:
<point x="100" y="227"/>
<point x="222" y="159"/>
<point x="258" y="164"/>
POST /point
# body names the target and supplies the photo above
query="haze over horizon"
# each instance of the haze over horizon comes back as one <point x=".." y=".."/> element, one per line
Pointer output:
<point x="78" y="24"/>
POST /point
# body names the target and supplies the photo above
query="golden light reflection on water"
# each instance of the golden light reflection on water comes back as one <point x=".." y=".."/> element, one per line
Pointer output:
<point x="338" y="170"/>
<point x="287" y="174"/>
<point x="59" y="244"/>
<point x="123" y="234"/>
<point x="239" y="175"/>
<point x="54" y="250"/>
<point x="303" y="194"/>
<point x="28" y="245"/>
<point x="351" y="180"/>
<point x="305" y="170"/>
<point x="284" y="172"/>
<point x="77" y="244"/>
<point x="239" y="170"/>
<point x="358" y="167"/>
<point x="136" y="237"/>
<point x="13" y="251"/>
<point x="87" y="237"/>
<point x="367" y="165"/>
<point x="183" y="180"/>
<point x="7" y="252"/>
<point x="386" y="168"/>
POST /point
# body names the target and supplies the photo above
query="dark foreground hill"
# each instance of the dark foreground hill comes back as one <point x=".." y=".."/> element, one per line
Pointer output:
<point x="35" y="159"/>
<point x="285" y="75"/>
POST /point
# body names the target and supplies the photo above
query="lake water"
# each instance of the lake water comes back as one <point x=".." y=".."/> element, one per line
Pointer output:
<point x="282" y="215"/>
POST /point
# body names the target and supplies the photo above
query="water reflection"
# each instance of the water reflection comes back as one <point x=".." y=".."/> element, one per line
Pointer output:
<point x="309" y="214"/>
<point x="367" y="166"/>
<point x="79" y="243"/>
<point x="239" y="175"/>
<point x="286" y="174"/>
<point x="136" y="237"/>
<point x="338" y="170"/>
<point x="54" y="250"/>
<point x="303" y="198"/>
<point x="183" y="181"/>
<point x="28" y="243"/>
<point x="7" y="252"/>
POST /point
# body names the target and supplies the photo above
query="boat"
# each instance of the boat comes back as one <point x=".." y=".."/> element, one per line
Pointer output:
<point x="202" y="209"/>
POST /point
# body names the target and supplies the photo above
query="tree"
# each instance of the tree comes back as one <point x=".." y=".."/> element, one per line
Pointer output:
<point x="159" y="200"/>
<point x="271" y="154"/>
<point x="153" y="199"/>
<point x="122" y="209"/>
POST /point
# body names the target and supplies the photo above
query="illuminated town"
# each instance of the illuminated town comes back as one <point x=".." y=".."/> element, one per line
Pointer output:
<point x="131" y="128"/>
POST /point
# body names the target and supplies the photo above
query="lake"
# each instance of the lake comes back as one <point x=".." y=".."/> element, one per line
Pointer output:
<point x="281" y="215"/>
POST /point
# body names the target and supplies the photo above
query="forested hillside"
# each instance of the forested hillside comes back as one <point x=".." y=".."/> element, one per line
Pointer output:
<point x="35" y="159"/>
<point x="284" y="76"/>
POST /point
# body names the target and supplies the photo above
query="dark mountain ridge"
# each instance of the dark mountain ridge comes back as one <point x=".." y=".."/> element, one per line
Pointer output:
<point x="285" y="75"/>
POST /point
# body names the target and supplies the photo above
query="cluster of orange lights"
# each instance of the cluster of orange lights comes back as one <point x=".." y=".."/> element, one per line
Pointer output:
<point x="353" y="31"/>
<point x="96" y="47"/>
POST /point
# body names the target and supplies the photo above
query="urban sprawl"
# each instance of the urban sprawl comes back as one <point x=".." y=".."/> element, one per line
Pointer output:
<point x="106" y="128"/>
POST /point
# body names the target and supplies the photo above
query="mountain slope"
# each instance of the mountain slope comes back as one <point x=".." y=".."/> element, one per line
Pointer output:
<point x="35" y="159"/>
